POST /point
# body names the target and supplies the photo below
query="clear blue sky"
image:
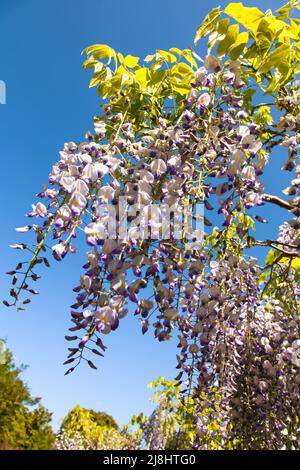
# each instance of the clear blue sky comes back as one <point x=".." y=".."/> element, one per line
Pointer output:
<point x="49" y="103"/>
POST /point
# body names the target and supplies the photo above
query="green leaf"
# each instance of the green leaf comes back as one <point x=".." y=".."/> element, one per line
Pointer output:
<point x="270" y="28"/>
<point x="229" y="40"/>
<point x="283" y="12"/>
<point x="97" y="78"/>
<point x="90" y="63"/>
<point x="239" y="45"/>
<point x="142" y="76"/>
<point x="175" y="50"/>
<point x="208" y="24"/>
<point x="247" y="16"/>
<point x="223" y="26"/>
<point x="156" y="76"/>
<point x="149" y="58"/>
<point x="131" y="61"/>
<point x="168" y="56"/>
<point x="273" y="60"/>
<point x="272" y="257"/>
<point x="296" y="264"/>
<point x="188" y="55"/>
<point x="181" y="69"/>
<point x="100" y="51"/>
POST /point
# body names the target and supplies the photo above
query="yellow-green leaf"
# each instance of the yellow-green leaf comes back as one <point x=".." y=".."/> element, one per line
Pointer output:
<point x="97" y="78"/>
<point x="168" y="56"/>
<point x="239" y="45"/>
<point x="223" y="26"/>
<point x="247" y="16"/>
<point x="175" y="50"/>
<point x="273" y="60"/>
<point x="207" y="25"/>
<point x="296" y="264"/>
<point x="149" y="57"/>
<point x="263" y="116"/>
<point x="180" y="88"/>
<point x="156" y="76"/>
<point x="229" y="40"/>
<point x="294" y="29"/>
<point x="98" y="67"/>
<point x="131" y="61"/>
<point x="187" y="54"/>
<point x="90" y="63"/>
<point x="100" y="51"/>
<point x="142" y="75"/>
<point x="283" y="12"/>
<point x="270" y="27"/>
<point x="213" y="38"/>
<point x="181" y="69"/>
<point x="271" y="257"/>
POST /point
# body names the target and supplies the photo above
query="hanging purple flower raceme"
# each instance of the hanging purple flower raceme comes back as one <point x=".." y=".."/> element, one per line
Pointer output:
<point x="235" y="341"/>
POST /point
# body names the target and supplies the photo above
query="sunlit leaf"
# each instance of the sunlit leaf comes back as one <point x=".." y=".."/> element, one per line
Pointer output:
<point x="131" y="61"/>
<point x="275" y="58"/>
<point x="247" y="16"/>
<point x="229" y="40"/>
<point x="207" y="25"/>
<point x="239" y="45"/>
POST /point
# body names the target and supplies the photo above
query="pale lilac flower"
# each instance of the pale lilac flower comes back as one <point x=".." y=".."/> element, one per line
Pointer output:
<point x="38" y="210"/>
<point x="253" y="199"/>
<point x="85" y="158"/>
<point x="95" y="231"/>
<point x="204" y="101"/>
<point x="158" y="167"/>
<point x="63" y="216"/>
<point x="81" y="187"/>
<point x="67" y="183"/>
<point x="90" y="172"/>
<point x="60" y="249"/>
<point x="51" y="193"/>
<point x="77" y="203"/>
<point x="213" y="63"/>
<point x="23" y="229"/>
<point x="248" y="173"/>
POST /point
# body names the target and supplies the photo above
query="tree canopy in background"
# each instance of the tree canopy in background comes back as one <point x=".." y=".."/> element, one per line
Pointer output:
<point x="24" y="422"/>
<point x="91" y="430"/>
<point x="177" y="130"/>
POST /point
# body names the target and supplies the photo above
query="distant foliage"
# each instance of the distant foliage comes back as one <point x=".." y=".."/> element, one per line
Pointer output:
<point x="24" y="422"/>
<point x="89" y="430"/>
<point x="76" y="416"/>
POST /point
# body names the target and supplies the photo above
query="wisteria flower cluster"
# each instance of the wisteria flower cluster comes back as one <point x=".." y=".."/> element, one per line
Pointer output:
<point x="246" y="352"/>
<point x="65" y="442"/>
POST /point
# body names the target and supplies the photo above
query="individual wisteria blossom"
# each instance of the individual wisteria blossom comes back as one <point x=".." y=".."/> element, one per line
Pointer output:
<point x="38" y="210"/>
<point x="201" y="141"/>
<point x="203" y="101"/>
